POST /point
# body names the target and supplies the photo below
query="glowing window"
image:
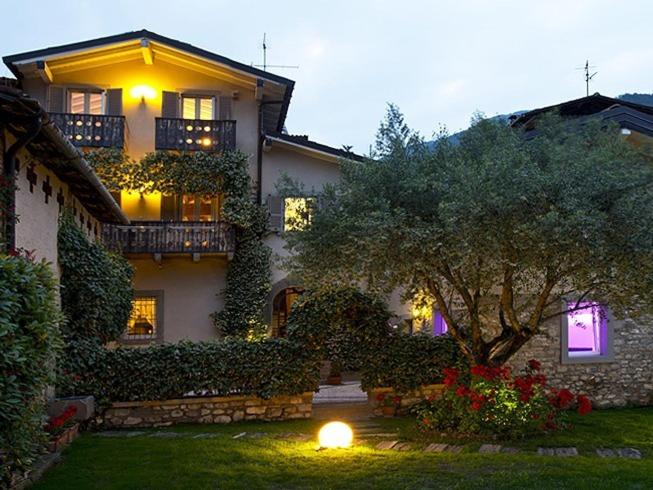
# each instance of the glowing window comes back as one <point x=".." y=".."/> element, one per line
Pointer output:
<point x="297" y="213"/>
<point x="198" y="108"/>
<point x="85" y="102"/>
<point x="439" y="324"/>
<point x="199" y="208"/>
<point x="587" y="332"/>
<point x="143" y="323"/>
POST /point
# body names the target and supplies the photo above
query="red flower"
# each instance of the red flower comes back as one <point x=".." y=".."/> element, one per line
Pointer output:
<point x="396" y="400"/>
<point x="450" y="376"/>
<point x="380" y="397"/>
<point x="462" y="391"/>
<point x="565" y="397"/>
<point x="540" y="379"/>
<point x="426" y="421"/>
<point x="475" y="406"/>
<point x="584" y="405"/>
<point x="534" y="365"/>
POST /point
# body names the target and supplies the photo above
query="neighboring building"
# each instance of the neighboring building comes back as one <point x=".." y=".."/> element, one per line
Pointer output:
<point x="143" y="92"/>
<point x="51" y="174"/>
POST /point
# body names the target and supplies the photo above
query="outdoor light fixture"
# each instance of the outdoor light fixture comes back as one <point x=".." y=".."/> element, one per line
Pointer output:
<point x="143" y="92"/>
<point x="335" y="435"/>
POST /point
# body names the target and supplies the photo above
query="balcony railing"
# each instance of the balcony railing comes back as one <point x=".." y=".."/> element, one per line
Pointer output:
<point x="92" y="129"/>
<point x="160" y="237"/>
<point x="194" y="134"/>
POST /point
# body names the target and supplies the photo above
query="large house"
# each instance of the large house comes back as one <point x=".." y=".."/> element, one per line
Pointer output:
<point x="142" y="92"/>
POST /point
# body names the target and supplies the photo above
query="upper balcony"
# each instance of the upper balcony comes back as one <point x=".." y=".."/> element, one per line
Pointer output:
<point x="91" y="130"/>
<point x="195" y="134"/>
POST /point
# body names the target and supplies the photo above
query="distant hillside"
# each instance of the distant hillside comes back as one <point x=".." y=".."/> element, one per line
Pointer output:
<point x="644" y="99"/>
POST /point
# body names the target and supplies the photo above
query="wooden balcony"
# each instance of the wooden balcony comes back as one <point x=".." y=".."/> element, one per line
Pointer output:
<point x="92" y="130"/>
<point x="170" y="237"/>
<point x="194" y="134"/>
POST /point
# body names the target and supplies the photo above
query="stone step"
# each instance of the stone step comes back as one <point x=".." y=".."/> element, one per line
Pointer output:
<point x="385" y="445"/>
<point x="435" y="448"/>
<point x="402" y="446"/>
<point x="489" y="449"/>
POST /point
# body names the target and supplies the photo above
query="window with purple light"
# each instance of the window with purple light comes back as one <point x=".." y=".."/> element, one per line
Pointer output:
<point x="587" y="330"/>
<point x="439" y="325"/>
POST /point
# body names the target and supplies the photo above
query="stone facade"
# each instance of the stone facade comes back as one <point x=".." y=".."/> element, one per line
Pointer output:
<point x="625" y="380"/>
<point x="207" y="410"/>
<point x="407" y="399"/>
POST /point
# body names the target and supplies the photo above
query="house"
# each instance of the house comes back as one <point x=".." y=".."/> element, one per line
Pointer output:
<point x="50" y="174"/>
<point x="142" y="92"/>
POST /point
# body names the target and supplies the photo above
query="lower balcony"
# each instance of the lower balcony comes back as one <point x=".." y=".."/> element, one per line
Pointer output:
<point x="175" y="237"/>
<point x="194" y="134"/>
<point x="92" y="130"/>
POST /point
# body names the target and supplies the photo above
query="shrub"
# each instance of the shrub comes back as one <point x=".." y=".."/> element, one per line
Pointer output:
<point x="344" y="325"/>
<point x="406" y="362"/>
<point x="96" y="288"/>
<point x="235" y="366"/>
<point x="29" y="341"/>
<point x="492" y="401"/>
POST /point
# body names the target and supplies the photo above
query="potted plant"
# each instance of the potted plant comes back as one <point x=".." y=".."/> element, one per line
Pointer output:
<point x="335" y="374"/>
<point x="62" y="429"/>
<point x="389" y="404"/>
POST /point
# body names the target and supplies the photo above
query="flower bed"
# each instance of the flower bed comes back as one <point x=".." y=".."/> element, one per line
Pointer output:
<point x="494" y="401"/>
<point x="62" y="429"/>
<point x="389" y="401"/>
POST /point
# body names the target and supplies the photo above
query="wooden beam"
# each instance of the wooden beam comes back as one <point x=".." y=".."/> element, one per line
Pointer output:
<point x="146" y="50"/>
<point x="258" y="93"/>
<point x="44" y="71"/>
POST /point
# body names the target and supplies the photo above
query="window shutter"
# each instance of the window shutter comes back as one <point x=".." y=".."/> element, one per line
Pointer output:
<point x="170" y="104"/>
<point x="56" y="98"/>
<point x="224" y="106"/>
<point x="275" y="210"/>
<point x="168" y="208"/>
<point x="114" y="102"/>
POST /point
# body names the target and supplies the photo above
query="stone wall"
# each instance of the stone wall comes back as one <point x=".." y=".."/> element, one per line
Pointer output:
<point x="626" y="380"/>
<point x="207" y="410"/>
<point x="407" y="399"/>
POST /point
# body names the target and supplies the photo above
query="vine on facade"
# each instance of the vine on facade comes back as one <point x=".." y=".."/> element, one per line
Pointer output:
<point x="248" y="274"/>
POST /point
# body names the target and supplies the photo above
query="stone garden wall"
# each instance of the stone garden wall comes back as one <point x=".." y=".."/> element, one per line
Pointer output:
<point x="207" y="410"/>
<point x="626" y="380"/>
<point x="407" y="399"/>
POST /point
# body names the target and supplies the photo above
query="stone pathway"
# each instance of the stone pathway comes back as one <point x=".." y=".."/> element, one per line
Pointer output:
<point x="347" y="392"/>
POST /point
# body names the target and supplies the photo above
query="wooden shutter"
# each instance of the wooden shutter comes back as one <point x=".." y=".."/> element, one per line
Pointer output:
<point x="224" y="106"/>
<point x="114" y="102"/>
<point x="168" y="208"/>
<point x="170" y="104"/>
<point x="56" y="98"/>
<point x="275" y="210"/>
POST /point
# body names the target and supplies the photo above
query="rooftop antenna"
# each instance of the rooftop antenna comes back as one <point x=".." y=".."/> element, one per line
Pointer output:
<point x="265" y="65"/>
<point x="588" y="76"/>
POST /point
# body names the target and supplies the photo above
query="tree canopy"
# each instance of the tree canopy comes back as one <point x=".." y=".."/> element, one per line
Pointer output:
<point x="499" y="230"/>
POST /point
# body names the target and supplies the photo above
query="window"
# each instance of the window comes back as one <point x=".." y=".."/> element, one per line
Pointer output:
<point x="586" y="333"/>
<point x="297" y="212"/>
<point x="85" y="102"/>
<point x="145" y="321"/>
<point x="440" y="326"/>
<point x="199" y="208"/>
<point x="198" y="107"/>
<point x="281" y="305"/>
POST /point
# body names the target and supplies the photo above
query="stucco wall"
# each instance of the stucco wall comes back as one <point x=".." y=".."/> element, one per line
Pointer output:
<point x="191" y="292"/>
<point x="627" y="380"/>
<point x="37" y="226"/>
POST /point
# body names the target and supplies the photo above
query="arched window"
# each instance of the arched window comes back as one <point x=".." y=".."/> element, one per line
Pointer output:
<point x="281" y="305"/>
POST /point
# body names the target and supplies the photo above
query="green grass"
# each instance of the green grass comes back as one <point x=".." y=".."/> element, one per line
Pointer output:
<point x="222" y="462"/>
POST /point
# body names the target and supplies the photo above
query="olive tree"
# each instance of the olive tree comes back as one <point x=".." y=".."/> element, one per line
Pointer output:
<point x="499" y="228"/>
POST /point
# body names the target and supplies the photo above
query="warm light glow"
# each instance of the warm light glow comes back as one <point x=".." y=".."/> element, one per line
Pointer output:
<point x="206" y="141"/>
<point x="143" y="92"/>
<point x="297" y="212"/>
<point x="335" y="434"/>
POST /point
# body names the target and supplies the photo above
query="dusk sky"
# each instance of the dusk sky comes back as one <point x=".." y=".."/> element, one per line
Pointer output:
<point x="438" y="61"/>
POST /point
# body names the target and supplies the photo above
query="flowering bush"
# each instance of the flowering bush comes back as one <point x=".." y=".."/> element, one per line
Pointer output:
<point x="388" y="401"/>
<point x="491" y="400"/>
<point x="56" y="425"/>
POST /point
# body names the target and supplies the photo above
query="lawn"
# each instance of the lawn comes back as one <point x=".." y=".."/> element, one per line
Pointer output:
<point x="144" y="461"/>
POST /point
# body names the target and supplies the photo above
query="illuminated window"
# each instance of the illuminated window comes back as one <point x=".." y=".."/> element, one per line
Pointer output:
<point x="440" y="326"/>
<point x="281" y="306"/>
<point x="144" y="323"/>
<point x="198" y="108"/>
<point x="586" y="333"/>
<point x="297" y="212"/>
<point x="85" y="102"/>
<point x="196" y="207"/>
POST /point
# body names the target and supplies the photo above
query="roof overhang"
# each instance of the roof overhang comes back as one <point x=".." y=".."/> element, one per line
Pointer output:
<point x="303" y="145"/>
<point x="148" y="46"/>
<point x="56" y="153"/>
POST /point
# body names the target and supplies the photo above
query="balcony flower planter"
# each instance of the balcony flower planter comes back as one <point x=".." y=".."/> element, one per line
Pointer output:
<point x="61" y="440"/>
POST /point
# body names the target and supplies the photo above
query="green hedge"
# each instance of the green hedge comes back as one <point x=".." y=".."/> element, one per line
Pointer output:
<point x="29" y="342"/>
<point x="406" y="362"/>
<point x="266" y="368"/>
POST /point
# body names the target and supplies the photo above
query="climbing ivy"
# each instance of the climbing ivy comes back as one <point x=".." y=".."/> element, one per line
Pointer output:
<point x="248" y="274"/>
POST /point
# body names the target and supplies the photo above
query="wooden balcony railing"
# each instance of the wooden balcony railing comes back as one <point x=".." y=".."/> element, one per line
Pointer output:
<point x="194" y="134"/>
<point x="160" y="237"/>
<point x="91" y="129"/>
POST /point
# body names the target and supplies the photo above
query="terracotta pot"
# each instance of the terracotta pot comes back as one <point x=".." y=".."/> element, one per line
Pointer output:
<point x="388" y="411"/>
